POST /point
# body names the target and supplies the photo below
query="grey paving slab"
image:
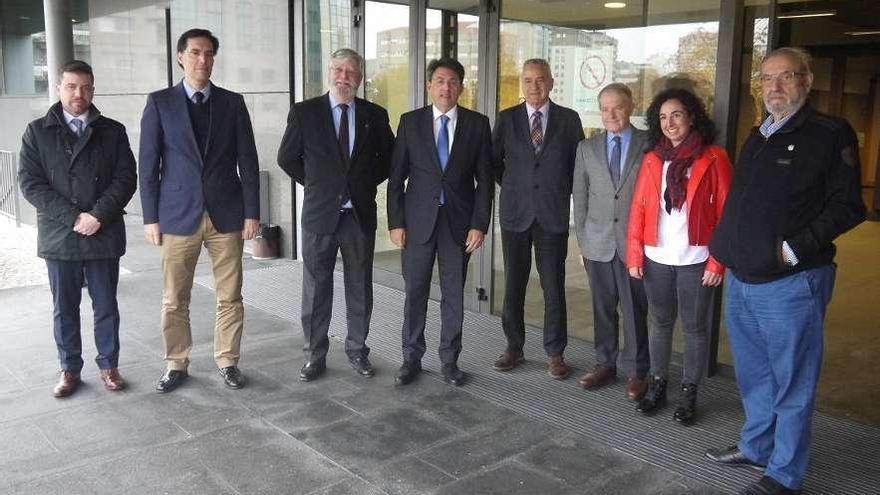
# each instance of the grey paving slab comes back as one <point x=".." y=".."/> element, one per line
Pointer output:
<point x="479" y="450"/>
<point x="160" y="470"/>
<point x="364" y="443"/>
<point x="304" y="416"/>
<point x="408" y="475"/>
<point x="349" y="487"/>
<point x="23" y="440"/>
<point x="256" y="458"/>
<point x="510" y="478"/>
<point x="93" y="447"/>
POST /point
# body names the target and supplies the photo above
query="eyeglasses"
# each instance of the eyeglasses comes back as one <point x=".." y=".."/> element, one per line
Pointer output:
<point x="783" y="77"/>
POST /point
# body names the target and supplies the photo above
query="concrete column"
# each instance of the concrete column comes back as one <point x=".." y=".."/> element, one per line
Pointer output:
<point x="59" y="40"/>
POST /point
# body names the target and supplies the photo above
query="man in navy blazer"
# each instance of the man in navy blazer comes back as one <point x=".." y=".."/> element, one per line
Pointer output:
<point x="199" y="183"/>
<point x="443" y="153"/>
<point x="534" y="146"/>
<point x="338" y="147"/>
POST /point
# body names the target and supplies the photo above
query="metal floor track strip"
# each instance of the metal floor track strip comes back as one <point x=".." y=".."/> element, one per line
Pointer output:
<point x="845" y="456"/>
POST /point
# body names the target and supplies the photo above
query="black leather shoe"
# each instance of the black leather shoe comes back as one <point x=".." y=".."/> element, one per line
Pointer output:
<point x="768" y="486"/>
<point x="312" y="370"/>
<point x="171" y="380"/>
<point x="362" y="365"/>
<point x="655" y="398"/>
<point x="407" y="373"/>
<point x="732" y="456"/>
<point x="686" y="410"/>
<point x="452" y="375"/>
<point x="232" y="377"/>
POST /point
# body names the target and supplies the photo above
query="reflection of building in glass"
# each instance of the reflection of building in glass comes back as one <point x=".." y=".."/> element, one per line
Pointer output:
<point x="583" y="63"/>
<point x="327" y="29"/>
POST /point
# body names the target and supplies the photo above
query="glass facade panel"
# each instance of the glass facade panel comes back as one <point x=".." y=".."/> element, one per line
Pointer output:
<point x="668" y="44"/>
<point x="327" y="29"/>
<point x="387" y="83"/>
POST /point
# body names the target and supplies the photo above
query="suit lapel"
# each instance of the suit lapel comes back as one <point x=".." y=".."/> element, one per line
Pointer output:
<point x="361" y="128"/>
<point x="325" y="119"/>
<point x="521" y="125"/>
<point x="552" y="126"/>
<point x="182" y="107"/>
<point x="600" y="147"/>
<point x="461" y="129"/>
<point x="426" y="130"/>
<point x="633" y="154"/>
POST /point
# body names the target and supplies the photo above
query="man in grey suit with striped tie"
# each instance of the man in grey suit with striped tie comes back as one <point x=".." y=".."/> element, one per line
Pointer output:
<point x="605" y="174"/>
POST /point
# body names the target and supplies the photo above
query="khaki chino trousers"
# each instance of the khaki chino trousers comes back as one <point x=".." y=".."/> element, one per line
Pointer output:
<point x="180" y="253"/>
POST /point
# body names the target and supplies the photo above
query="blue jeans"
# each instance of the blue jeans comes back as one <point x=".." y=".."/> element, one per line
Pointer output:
<point x="65" y="281"/>
<point x="776" y="336"/>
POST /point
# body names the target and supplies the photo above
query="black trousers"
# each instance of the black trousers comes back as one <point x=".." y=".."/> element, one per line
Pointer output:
<point x="418" y="264"/>
<point x="551" y="248"/>
<point x="610" y="285"/>
<point x="66" y="283"/>
<point x="319" y="260"/>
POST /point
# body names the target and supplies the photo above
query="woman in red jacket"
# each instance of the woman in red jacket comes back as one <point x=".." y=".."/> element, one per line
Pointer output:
<point x="678" y="198"/>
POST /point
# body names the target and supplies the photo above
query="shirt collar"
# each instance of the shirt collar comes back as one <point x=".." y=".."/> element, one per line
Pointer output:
<point x="452" y="113"/>
<point x="545" y="108"/>
<point x="624" y="134"/>
<point x="68" y="118"/>
<point x="770" y="126"/>
<point x="335" y="103"/>
<point x="190" y="91"/>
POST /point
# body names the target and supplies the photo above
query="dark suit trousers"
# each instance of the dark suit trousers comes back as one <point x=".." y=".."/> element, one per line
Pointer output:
<point x="550" y="251"/>
<point x="319" y="260"/>
<point x="66" y="284"/>
<point x="611" y="284"/>
<point x="418" y="264"/>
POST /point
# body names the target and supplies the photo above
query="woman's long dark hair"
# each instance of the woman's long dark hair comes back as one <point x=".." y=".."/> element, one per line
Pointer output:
<point x="702" y="124"/>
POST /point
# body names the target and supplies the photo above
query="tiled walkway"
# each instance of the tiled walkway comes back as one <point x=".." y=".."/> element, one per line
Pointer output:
<point x="517" y="433"/>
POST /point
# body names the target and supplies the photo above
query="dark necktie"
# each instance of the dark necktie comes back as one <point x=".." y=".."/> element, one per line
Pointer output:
<point x="199" y="97"/>
<point x="343" y="133"/>
<point x="537" y="134"/>
<point x="78" y="123"/>
<point x="443" y="149"/>
<point x="614" y="163"/>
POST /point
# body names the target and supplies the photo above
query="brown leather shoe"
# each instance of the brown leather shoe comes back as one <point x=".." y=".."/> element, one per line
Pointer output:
<point x="112" y="380"/>
<point x="635" y="387"/>
<point x="556" y="368"/>
<point x="68" y="381"/>
<point x="508" y="360"/>
<point x="599" y="377"/>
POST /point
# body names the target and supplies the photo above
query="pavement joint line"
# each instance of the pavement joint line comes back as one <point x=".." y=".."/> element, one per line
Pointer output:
<point x="274" y="290"/>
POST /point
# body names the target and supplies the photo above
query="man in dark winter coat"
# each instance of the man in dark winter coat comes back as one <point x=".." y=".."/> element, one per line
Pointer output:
<point x="77" y="169"/>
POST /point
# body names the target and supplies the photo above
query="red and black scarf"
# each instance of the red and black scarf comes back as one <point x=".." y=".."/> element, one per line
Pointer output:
<point x="681" y="158"/>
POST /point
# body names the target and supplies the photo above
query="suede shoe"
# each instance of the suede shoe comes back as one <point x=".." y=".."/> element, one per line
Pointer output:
<point x="768" y="486"/>
<point x="599" y="377"/>
<point x="68" y="381"/>
<point x="508" y="360"/>
<point x="452" y="375"/>
<point x="112" y="379"/>
<point x="362" y="365"/>
<point x="635" y="388"/>
<point x="732" y="456"/>
<point x="171" y="380"/>
<point x="312" y="370"/>
<point x="407" y="372"/>
<point x="557" y="369"/>
<point x="232" y="377"/>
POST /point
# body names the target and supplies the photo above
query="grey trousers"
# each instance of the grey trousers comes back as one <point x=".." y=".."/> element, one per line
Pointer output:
<point x="319" y="262"/>
<point x="610" y="285"/>
<point x="672" y="291"/>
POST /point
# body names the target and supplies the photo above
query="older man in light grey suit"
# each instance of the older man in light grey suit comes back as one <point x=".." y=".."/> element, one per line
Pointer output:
<point x="605" y="173"/>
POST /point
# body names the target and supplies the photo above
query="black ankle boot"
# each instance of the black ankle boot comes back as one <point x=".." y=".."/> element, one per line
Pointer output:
<point x="655" y="398"/>
<point x="686" y="411"/>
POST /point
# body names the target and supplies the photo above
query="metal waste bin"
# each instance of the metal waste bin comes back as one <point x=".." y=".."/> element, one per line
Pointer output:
<point x="267" y="242"/>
